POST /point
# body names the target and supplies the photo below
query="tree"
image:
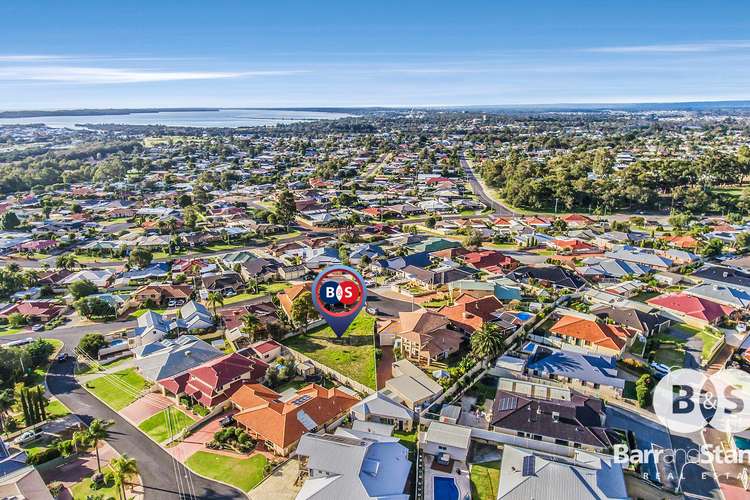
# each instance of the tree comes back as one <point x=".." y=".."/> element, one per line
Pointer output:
<point x="250" y="326"/>
<point x="712" y="248"/>
<point x="9" y="221"/>
<point x="94" y="307"/>
<point x="140" y="257"/>
<point x="286" y="209"/>
<point x="184" y="200"/>
<point x="430" y="222"/>
<point x="16" y="320"/>
<point x="643" y="389"/>
<point x="215" y="299"/>
<point x="472" y="239"/>
<point x="303" y="310"/>
<point x="82" y="288"/>
<point x="91" y="343"/>
<point x="96" y="432"/>
<point x="66" y="261"/>
<point x="742" y="242"/>
<point x="488" y="342"/>
<point x="123" y="468"/>
<point x="7" y="400"/>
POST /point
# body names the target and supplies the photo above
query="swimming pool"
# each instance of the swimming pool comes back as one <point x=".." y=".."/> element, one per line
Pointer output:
<point x="523" y="315"/>
<point x="445" y="489"/>
<point x="742" y="443"/>
<point x="117" y="342"/>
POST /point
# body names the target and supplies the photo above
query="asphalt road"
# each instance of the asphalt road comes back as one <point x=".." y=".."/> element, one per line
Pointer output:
<point x="498" y="207"/>
<point x="387" y="306"/>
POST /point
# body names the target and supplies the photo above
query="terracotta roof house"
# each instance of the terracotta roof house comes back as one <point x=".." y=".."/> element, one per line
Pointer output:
<point x="686" y="241"/>
<point x="424" y="336"/>
<point x="225" y="283"/>
<point x="469" y="314"/>
<point x="287" y="296"/>
<point x="693" y="310"/>
<point x="160" y="293"/>
<point x="491" y="259"/>
<point x="577" y="220"/>
<point x="593" y="335"/>
<point x="573" y="245"/>
<point x="37" y="311"/>
<point x="213" y="382"/>
<point x="281" y="422"/>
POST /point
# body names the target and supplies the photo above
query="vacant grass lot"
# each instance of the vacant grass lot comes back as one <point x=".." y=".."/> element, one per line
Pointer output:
<point x="158" y="428"/>
<point x="353" y="355"/>
<point x="484" y="480"/>
<point x="118" y="389"/>
<point x="264" y="289"/>
<point x="244" y="473"/>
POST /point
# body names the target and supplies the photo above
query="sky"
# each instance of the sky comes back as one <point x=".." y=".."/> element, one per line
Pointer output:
<point x="164" y="53"/>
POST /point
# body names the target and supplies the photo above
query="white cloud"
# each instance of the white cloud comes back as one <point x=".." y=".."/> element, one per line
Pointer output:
<point x="28" y="57"/>
<point x="673" y="48"/>
<point x="94" y="75"/>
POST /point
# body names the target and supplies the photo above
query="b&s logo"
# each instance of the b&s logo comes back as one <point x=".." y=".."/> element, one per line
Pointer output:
<point x="333" y="293"/>
<point x="687" y="400"/>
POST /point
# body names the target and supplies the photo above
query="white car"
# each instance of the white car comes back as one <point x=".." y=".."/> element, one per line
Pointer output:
<point x="26" y="437"/>
<point x="172" y="303"/>
<point x="37" y="328"/>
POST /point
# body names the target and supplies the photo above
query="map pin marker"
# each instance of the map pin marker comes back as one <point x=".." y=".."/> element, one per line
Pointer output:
<point x="339" y="294"/>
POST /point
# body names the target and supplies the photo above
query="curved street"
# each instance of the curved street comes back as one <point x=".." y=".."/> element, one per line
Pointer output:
<point x="478" y="189"/>
<point x="159" y="472"/>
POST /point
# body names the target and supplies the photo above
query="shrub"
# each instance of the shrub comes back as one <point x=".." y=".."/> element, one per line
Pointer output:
<point x="43" y="456"/>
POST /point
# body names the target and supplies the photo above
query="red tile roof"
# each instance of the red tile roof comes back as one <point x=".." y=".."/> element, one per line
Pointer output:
<point x="695" y="307"/>
<point x="595" y="333"/>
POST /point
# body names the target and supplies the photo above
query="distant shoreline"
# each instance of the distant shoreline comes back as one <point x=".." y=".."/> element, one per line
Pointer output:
<point x="97" y="112"/>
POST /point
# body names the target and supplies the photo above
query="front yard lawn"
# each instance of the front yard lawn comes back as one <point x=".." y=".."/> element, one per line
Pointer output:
<point x="55" y="409"/>
<point x="140" y="312"/>
<point x="84" y="489"/>
<point x="156" y="425"/>
<point x="118" y="389"/>
<point x="264" y="289"/>
<point x="353" y="355"/>
<point x="709" y="341"/>
<point x="244" y="473"/>
<point x="485" y="479"/>
<point x="670" y="356"/>
<point x="6" y="330"/>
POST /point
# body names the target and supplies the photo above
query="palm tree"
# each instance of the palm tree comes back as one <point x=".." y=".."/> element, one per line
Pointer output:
<point x="488" y="342"/>
<point x="96" y="432"/>
<point x="252" y="284"/>
<point x="250" y="326"/>
<point x="123" y="468"/>
<point x="81" y="440"/>
<point x="7" y="400"/>
<point x="66" y="261"/>
<point x="215" y="299"/>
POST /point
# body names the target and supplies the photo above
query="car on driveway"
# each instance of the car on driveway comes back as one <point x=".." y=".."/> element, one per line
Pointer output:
<point x="62" y="357"/>
<point x="37" y="328"/>
<point x="26" y="437"/>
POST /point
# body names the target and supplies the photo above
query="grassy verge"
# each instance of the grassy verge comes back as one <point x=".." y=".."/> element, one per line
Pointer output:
<point x="485" y="479"/>
<point x="85" y="489"/>
<point x="6" y="330"/>
<point x="118" y="389"/>
<point x="55" y="409"/>
<point x="156" y="425"/>
<point x="244" y="473"/>
<point x="353" y="355"/>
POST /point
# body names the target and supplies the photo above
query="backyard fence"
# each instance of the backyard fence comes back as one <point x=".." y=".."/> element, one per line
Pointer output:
<point x="343" y="379"/>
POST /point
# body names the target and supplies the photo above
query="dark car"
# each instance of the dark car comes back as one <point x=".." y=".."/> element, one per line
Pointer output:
<point x="62" y="357"/>
<point x="227" y="421"/>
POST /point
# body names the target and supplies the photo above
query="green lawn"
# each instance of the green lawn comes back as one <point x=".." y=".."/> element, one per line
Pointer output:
<point x="244" y="473"/>
<point x="485" y="478"/>
<point x="55" y="409"/>
<point x="84" y="490"/>
<point x="670" y="356"/>
<point x="709" y="341"/>
<point x="6" y="330"/>
<point x="264" y="289"/>
<point x="140" y="312"/>
<point x="353" y="355"/>
<point x="408" y="439"/>
<point x="156" y="425"/>
<point x="118" y="389"/>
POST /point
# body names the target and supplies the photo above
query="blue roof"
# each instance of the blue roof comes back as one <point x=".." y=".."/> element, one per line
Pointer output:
<point x="587" y="367"/>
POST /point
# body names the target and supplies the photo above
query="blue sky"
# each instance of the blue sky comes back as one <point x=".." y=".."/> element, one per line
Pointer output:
<point x="327" y="53"/>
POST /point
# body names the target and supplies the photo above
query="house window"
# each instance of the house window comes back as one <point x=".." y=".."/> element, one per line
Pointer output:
<point x="442" y="448"/>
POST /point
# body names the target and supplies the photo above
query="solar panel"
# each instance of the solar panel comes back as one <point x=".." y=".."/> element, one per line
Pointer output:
<point x="529" y="465"/>
<point x="307" y="422"/>
<point x="302" y="399"/>
<point x="509" y="403"/>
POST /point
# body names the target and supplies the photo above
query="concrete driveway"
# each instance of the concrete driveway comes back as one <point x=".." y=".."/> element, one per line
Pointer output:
<point x="143" y="408"/>
<point x="279" y="485"/>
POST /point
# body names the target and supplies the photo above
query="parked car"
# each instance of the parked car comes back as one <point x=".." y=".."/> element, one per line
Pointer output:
<point x="37" y="328"/>
<point x="172" y="303"/>
<point x="26" y="437"/>
<point x="227" y="421"/>
<point x="62" y="357"/>
<point x="660" y="370"/>
<point x="372" y="310"/>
